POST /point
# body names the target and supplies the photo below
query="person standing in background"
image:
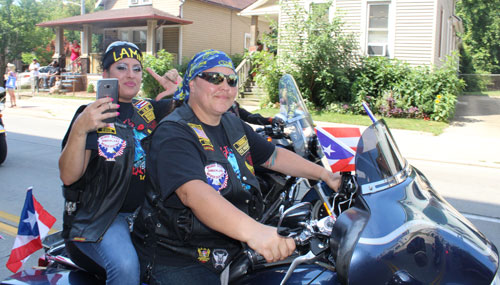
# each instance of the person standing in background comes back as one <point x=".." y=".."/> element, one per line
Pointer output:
<point x="33" y="68"/>
<point x="75" y="55"/>
<point x="10" y="84"/>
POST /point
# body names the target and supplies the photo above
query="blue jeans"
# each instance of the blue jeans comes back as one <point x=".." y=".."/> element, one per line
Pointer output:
<point x="115" y="253"/>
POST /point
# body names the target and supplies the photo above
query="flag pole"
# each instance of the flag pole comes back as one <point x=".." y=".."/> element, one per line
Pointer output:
<point x="369" y="112"/>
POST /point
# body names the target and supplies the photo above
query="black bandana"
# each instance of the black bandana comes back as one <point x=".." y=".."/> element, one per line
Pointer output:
<point x="119" y="50"/>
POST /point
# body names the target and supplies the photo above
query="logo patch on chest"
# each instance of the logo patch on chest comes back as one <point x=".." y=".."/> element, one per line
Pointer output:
<point x="110" y="147"/>
<point x="242" y="145"/>
<point x="202" y="136"/>
<point x="217" y="176"/>
<point x="145" y="110"/>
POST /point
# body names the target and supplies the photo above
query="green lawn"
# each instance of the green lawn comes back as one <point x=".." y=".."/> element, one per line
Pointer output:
<point x="433" y="127"/>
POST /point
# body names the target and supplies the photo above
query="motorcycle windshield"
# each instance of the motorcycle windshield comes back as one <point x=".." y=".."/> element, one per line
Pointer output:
<point x="379" y="164"/>
<point x="299" y="123"/>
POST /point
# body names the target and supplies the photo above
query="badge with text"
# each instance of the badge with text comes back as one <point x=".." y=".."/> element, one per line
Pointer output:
<point x="145" y="110"/>
<point x="204" y="140"/>
<point x="110" y="147"/>
<point x="242" y="146"/>
<point x="216" y="176"/>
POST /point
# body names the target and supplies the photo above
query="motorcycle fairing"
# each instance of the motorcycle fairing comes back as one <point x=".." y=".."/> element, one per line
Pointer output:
<point x="305" y="274"/>
<point x="414" y="229"/>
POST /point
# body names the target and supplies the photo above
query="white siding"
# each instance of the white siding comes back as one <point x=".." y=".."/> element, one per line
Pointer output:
<point x="286" y="17"/>
<point x="414" y="31"/>
<point x="350" y="12"/>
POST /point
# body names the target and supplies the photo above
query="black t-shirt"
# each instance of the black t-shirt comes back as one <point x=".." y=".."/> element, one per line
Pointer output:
<point x="178" y="155"/>
<point x="135" y="195"/>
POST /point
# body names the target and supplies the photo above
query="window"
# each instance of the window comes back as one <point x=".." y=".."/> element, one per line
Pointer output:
<point x="321" y="11"/>
<point x="139" y="2"/>
<point x="378" y="29"/>
<point x="139" y="38"/>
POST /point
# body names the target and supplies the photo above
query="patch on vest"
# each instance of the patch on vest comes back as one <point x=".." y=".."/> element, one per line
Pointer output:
<point x="110" y="146"/>
<point x="145" y="110"/>
<point x="216" y="176"/>
<point x="242" y="145"/>
<point x="204" y="140"/>
<point x="108" y="129"/>
<point x="203" y="254"/>
<point x="219" y="258"/>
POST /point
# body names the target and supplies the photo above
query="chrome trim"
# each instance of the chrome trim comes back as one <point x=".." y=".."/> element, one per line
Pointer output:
<point x="392" y="181"/>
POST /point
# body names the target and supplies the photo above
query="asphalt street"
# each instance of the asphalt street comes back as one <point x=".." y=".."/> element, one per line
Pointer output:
<point x="463" y="163"/>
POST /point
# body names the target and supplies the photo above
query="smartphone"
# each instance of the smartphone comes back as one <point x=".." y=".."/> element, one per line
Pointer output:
<point x="108" y="87"/>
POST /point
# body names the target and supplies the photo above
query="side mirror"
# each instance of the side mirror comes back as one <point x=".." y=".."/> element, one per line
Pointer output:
<point x="292" y="219"/>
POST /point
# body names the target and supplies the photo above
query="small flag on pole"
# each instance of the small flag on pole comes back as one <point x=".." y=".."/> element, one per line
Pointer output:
<point x="34" y="224"/>
<point x="339" y="146"/>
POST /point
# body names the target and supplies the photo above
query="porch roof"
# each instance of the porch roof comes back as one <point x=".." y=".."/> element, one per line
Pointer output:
<point x="114" y="18"/>
<point x="267" y="8"/>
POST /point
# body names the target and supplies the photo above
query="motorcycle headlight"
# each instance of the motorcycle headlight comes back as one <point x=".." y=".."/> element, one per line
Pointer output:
<point x="496" y="279"/>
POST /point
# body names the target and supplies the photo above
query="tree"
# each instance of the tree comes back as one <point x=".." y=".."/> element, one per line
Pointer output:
<point x="481" y="38"/>
<point x="320" y="56"/>
<point x="18" y="31"/>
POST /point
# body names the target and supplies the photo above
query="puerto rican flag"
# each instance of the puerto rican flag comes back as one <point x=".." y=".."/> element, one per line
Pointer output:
<point x="339" y="146"/>
<point x="34" y="225"/>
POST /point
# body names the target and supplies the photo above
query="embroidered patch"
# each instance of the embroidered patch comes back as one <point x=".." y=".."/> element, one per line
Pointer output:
<point x="242" y="145"/>
<point x="204" y="140"/>
<point x="140" y="104"/>
<point x="110" y="146"/>
<point x="220" y="257"/>
<point x="108" y="129"/>
<point x="203" y="254"/>
<point x="216" y="176"/>
<point x="250" y="167"/>
<point x="79" y="239"/>
<point x="145" y="110"/>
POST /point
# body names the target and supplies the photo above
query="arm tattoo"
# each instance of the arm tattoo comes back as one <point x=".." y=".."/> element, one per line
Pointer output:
<point x="270" y="162"/>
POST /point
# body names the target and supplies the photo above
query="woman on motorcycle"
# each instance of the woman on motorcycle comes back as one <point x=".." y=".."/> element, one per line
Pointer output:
<point x="187" y="233"/>
<point x="103" y="169"/>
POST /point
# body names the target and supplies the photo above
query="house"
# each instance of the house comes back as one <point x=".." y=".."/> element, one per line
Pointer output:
<point x="420" y="32"/>
<point x="181" y="27"/>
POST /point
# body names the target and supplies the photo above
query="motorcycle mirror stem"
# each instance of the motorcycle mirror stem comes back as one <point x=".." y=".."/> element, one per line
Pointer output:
<point x="324" y="199"/>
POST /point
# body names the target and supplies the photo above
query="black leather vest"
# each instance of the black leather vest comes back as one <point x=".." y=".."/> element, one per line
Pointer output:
<point x="99" y="194"/>
<point x="174" y="227"/>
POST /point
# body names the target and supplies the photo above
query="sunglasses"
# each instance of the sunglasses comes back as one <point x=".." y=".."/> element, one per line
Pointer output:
<point x="217" y="78"/>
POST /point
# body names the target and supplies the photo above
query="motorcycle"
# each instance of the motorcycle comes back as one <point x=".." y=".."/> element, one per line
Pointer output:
<point x="385" y="225"/>
<point x="3" y="140"/>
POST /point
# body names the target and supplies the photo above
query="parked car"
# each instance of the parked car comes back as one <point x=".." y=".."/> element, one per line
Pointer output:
<point x="24" y="78"/>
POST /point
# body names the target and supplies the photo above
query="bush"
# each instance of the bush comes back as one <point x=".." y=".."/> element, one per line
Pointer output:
<point x="394" y="89"/>
<point x="160" y="63"/>
<point x="324" y="63"/>
<point x="267" y="74"/>
<point x="90" y="88"/>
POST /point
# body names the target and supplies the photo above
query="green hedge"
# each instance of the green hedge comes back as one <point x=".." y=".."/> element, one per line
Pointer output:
<point x="395" y="89"/>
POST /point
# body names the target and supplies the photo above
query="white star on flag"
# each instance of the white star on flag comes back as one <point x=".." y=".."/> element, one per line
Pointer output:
<point x="31" y="219"/>
<point x="328" y="150"/>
